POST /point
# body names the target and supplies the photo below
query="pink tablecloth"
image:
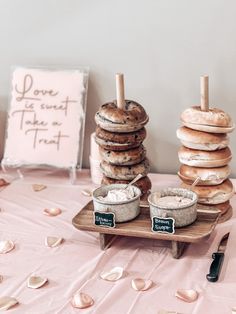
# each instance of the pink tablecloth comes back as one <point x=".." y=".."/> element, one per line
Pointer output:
<point x="77" y="263"/>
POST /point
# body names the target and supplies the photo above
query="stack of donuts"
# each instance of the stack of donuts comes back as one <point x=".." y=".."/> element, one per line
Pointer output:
<point x="205" y="154"/>
<point x="120" y="133"/>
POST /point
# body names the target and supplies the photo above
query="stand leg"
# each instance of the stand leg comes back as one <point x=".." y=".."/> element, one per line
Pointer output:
<point x="20" y="174"/>
<point x="177" y="248"/>
<point x="72" y="173"/>
<point x="106" y="240"/>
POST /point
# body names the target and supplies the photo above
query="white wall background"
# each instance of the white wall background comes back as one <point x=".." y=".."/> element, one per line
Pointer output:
<point x="162" y="47"/>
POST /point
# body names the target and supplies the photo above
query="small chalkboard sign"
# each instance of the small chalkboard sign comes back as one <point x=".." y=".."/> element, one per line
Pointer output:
<point x="103" y="219"/>
<point x="163" y="225"/>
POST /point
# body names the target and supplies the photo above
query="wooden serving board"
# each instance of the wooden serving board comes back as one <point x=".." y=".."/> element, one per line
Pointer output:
<point x="141" y="227"/>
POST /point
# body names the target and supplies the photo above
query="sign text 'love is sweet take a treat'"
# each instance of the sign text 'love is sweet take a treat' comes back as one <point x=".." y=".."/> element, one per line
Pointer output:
<point x="46" y="117"/>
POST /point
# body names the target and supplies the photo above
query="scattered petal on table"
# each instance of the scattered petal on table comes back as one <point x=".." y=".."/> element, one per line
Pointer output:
<point x="167" y="312"/>
<point x="86" y="192"/>
<point x="6" y="246"/>
<point x="81" y="300"/>
<point x="188" y="295"/>
<point x="140" y="284"/>
<point x="7" y="302"/>
<point x="36" y="282"/>
<point x="3" y="182"/>
<point x="38" y="187"/>
<point x="53" y="241"/>
<point x="52" y="211"/>
<point x="112" y="275"/>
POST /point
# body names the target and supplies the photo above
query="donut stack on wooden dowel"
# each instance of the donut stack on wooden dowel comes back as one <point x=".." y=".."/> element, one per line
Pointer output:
<point x="205" y="153"/>
<point x="120" y="133"/>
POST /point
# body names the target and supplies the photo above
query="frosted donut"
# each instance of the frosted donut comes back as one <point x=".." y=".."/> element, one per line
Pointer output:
<point x="111" y="118"/>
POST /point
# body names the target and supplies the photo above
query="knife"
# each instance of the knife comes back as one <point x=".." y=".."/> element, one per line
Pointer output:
<point x="218" y="258"/>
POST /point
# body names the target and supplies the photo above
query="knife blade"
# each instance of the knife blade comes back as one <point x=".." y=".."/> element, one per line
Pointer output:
<point x="218" y="258"/>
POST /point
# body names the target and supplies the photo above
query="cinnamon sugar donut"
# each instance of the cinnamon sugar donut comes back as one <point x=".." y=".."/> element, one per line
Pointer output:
<point x="124" y="158"/>
<point x="124" y="172"/>
<point x="119" y="141"/>
<point x="111" y="118"/>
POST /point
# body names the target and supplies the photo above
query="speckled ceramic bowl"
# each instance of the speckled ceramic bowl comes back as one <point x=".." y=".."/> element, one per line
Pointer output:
<point x="184" y="215"/>
<point x="125" y="210"/>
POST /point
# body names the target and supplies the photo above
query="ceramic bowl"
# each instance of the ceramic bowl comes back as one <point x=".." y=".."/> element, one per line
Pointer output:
<point x="184" y="215"/>
<point x="124" y="210"/>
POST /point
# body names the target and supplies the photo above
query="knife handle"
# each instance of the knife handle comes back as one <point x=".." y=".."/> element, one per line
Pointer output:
<point x="215" y="267"/>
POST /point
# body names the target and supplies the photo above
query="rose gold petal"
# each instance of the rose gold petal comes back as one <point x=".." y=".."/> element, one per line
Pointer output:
<point x="35" y="282"/>
<point x="6" y="246"/>
<point x="3" y="182"/>
<point x="167" y="312"/>
<point x="188" y="295"/>
<point x="140" y="284"/>
<point x="81" y="300"/>
<point x="52" y="211"/>
<point x="53" y="241"/>
<point x="38" y="187"/>
<point x="7" y="302"/>
<point x="112" y="275"/>
<point x="86" y="192"/>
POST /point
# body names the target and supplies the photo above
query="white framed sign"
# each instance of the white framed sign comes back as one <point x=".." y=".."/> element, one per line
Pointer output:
<point x="46" y="117"/>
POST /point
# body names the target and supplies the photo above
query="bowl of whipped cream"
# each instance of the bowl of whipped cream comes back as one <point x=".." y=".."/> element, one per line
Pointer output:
<point x="177" y="203"/>
<point x="119" y="199"/>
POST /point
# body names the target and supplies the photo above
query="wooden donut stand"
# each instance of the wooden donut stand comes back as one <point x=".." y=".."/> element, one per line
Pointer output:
<point x="140" y="227"/>
<point x="204" y="88"/>
<point x="204" y="92"/>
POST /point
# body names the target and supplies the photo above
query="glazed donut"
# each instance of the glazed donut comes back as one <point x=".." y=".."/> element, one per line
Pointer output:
<point x="144" y="184"/>
<point x="202" y="140"/>
<point x="208" y="176"/>
<point x="111" y="118"/>
<point x="119" y="141"/>
<point x="216" y="194"/>
<point x="214" y="120"/>
<point x="124" y="172"/>
<point x="205" y="159"/>
<point x="124" y="158"/>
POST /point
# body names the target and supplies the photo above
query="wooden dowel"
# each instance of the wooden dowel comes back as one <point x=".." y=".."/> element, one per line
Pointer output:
<point x="120" y="91"/>
<point x="204" y="84"/>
